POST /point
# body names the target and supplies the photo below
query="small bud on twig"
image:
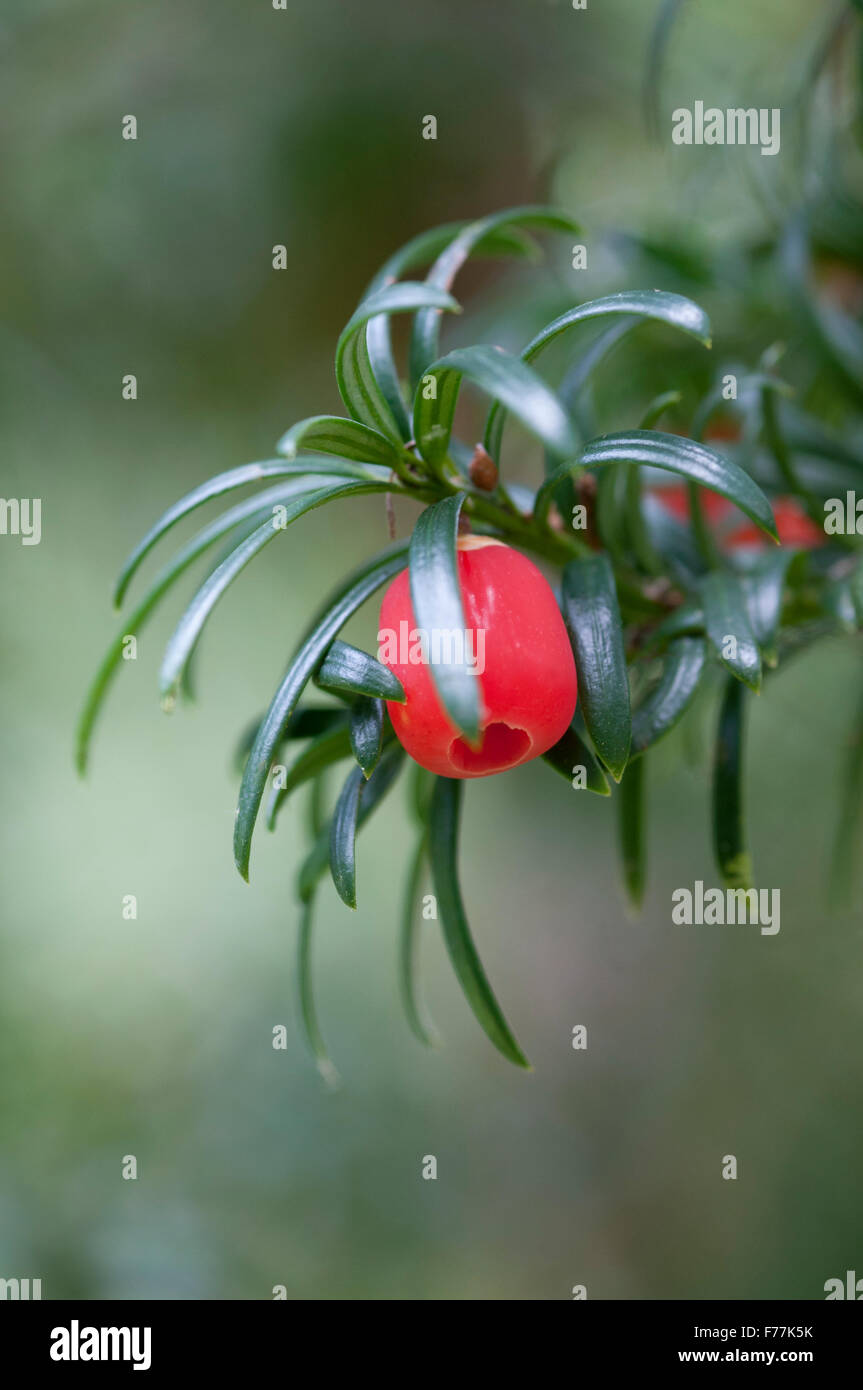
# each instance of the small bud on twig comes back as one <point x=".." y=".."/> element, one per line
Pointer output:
<point x="482" y="470"/>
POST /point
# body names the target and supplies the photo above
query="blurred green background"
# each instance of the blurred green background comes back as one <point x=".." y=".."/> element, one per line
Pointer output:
<point x="154" y="1037"/>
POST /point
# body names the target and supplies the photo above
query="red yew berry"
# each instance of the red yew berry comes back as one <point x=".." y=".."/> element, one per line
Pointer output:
<point x="515" y="640"/>
<point x="793" y="526"/>
<point x="675" y="499"/>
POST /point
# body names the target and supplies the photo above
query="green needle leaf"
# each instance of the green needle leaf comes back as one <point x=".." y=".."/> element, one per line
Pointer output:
<point x="311" y="1030"/>
<point x="304" y="469"/>
<point x="664" y="706"/>
<point x="372" y="794"/>
<point x="839" y="334"/>
<point x="657" y="408"/>
<point x="419" y="1022"/>
<point x="346" y="668"/>
<point x="506" y="379"/>
<point x="593" y="617"/>
<point x="425" y="339"/>
<point x="838" y="602"/>
<point x="685" y="621"/>
<point x="732" y="855"/>
<point x="347" y="439"/>
<point x="726" y="618"/>
<point x="659" y="305"/>
<point x="339" y="608"/>
<point x="443" y="842"/>
<point x="763" y="589"/>
<point x="437" y="604"/>
<point x="422" y="249"/>
<point x="658" y="45"/>
<point x="329" y="747"/>
<point x="422" y="786"/>
<point x="253" y="508"/>
<point x="636" y="526"/>
<point x="367" y="728"/>
<point x="689" y="459"/>
<point x="309" y="722"/>
<point x="343" y="834"/>
<point x="571" y="754"/>
<point x="358" y="386"/>
<point x="190" y="626"/>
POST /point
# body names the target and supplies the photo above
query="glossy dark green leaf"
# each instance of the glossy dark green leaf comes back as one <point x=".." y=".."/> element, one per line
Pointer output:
<point x="659" y="305"/>
<point x="316" y="805"/>
<point x="443" y="852"/>
<point x="420" y="251"/>
<point x="702" y="532"/>
<point x="671" y="538"/>
<point x="839" y="335"/>
<point x="807" y="435"/>
<point x="774" y="438"/>
<point x="726" y="618"/>
<point x="578" y="375"/>
<point x="425" y="339"/>
<point x="309" y="473"/>
<point x="657" y="408"/>
<point x="422" y="787"/>
<point x="311" y="1029"/>
<point x="747" y="404"/>
<point x="346" y="668"/>
<point x="593" y="618"/>
<point x="690" y="460"/>
<point x="610" y="508"/>
<point x="838" y="602"/>
<point x="329" y="747"/>
<point x="372" y="794"/>
<point x="685" y="621"/>
<point x="348" y="439"/>
<point x="343" y="833"/>
<point x="255" y="507"/>
<point x="663" y="707"/>
<point x="638" y="531"/>
<point x="325" y="627"/>
<point x="367" y="728"/>
<point x="425" y="248"/>
<point x="188" y="630"/>
<point x="666" y="15"/>
<point x="437" y="605"/>
<point x="729" y="839"/>
<point x="309" y="722"/>
<point x="358" y="386"/>
<point x="631" y="830"/>
<point x="417" y="1015"/>
<point x="188" y="682"/>
<point x="763" y="589"/>
<point x="506" y="379"/>
<point x="573" y="759"/>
